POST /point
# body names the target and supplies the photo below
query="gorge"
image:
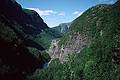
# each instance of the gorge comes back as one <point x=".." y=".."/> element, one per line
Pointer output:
<point x="88" y="48"/>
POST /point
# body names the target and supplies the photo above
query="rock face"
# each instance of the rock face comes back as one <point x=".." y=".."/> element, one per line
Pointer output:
<point x="54" y="49"/>
<point x="74" y="45"/>
<point x="18" y="28"/>
<point x="62" y="28"/>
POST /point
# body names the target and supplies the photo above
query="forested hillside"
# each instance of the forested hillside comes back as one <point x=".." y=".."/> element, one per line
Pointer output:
<point x="97" y="34"/>
<point x="88" y="48"/>
<point x="20" y="54"/>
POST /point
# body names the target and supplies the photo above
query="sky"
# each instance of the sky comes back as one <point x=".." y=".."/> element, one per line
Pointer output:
<point x="55" y="12"/>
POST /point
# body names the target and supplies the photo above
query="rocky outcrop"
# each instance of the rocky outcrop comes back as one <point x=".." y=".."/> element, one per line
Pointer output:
<point x="62" y="28"/>
<point x="74" y="45"/>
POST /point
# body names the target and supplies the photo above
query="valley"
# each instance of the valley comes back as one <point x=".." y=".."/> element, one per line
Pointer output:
<point x="88" y="48"/>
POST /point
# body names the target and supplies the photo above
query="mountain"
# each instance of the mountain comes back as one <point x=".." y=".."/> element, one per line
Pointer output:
<point x="46" y="36"/>
<point x="20" y="54"/>
<point x="62" y="28"/>
<point x="50" y="34"/>
<point x="84" y="29"/>
<point x="90" y="49"/>
<point x="29" y="19"/>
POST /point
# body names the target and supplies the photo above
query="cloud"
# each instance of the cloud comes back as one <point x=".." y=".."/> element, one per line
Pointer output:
<point x="43" y="12"/>
<point x="62" y="14"/>
<point x="77" y="13"/>
<point x="47" y="12"/>
<point x="108" y="1"/>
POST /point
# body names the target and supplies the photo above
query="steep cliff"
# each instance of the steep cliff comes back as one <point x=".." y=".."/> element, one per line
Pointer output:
<point x="62" y="28"/>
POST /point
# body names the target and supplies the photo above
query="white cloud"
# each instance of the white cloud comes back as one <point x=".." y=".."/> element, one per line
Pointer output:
<point x="62" y="14"/>
<point x="43" y="12"/>
<point x="108" y="1"/>
<point x="77" y="13"/>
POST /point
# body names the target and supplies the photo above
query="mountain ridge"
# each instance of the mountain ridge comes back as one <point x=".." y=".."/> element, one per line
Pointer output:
<point x="90" y="49"/>
<point x="20" y="54"/>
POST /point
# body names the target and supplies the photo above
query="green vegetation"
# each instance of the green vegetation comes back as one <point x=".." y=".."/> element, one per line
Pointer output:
<point x="45" y="56"/>
<point x="64" y="39"/>
<point x="40" y="54"/>
<point x="98" y="61"/>
<point x="101" y="59"/>
<point x="7" y="33"/>
<point x="46" y="36"/>
<point x="94" y="17"/>
<point x="16" y="35"/>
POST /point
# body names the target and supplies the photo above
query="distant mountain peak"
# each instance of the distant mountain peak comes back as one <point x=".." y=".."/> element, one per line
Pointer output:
<point x="63" y="27"/>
